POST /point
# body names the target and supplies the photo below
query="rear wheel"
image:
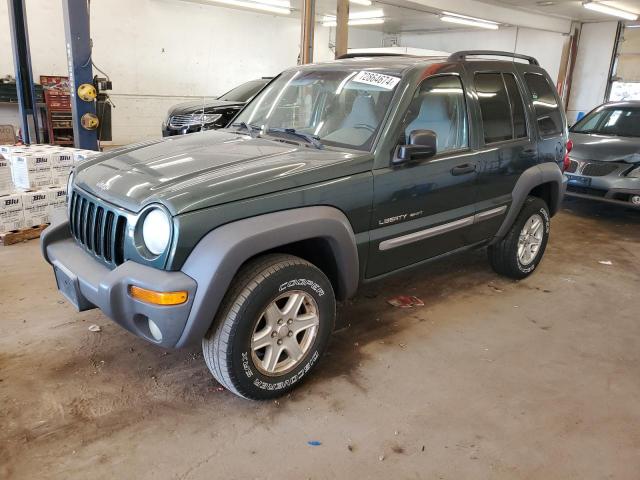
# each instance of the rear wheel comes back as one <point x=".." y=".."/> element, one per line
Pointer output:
<point x="272" y="328"/>
<point x="518" y="254"/>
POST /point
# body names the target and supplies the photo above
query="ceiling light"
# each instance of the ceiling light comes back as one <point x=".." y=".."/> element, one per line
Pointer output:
<point x="367" y="14"/>
<point x="467" y="21"/>
<point x="359" y="21"/>
<point x="266" y="6"/>
<point x="366" y="3"/>
<point x="606" y="9"/>
<point x="366" y="17"/>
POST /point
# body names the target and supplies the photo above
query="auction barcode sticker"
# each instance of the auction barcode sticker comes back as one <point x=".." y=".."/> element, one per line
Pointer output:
<point x="377" y="79"/>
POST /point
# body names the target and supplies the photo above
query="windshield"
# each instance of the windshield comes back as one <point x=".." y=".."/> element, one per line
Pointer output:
<point x="342" y="108"/>
<point x="622" y="121"/>
<point x="244" y="92"/>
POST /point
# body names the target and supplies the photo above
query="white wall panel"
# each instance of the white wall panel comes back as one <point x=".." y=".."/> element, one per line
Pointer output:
<point x="595" y="50"/>
<point x="545" y="46"/>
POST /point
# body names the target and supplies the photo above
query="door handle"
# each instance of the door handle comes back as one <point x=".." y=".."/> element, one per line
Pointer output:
<point x="463" y="169"/>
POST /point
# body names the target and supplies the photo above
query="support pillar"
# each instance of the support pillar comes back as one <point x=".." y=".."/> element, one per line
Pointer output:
<point x="78" y="45"/>
<point x="342" y="29"/>
<point x="24" y="75"/>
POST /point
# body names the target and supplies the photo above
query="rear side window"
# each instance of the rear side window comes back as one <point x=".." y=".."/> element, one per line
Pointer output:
<point x="494" y="104"/>
<point x="545" y="104"/>
<point x="503" y="116"/>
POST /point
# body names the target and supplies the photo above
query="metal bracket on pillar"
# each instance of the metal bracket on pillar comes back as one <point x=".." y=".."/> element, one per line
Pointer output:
<point x="78" y="43"/>
<point x="24" y="75"/>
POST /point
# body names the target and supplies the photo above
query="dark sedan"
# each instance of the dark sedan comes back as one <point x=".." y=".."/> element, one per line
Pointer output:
<point x="199" y="115"/>
<point x="605" y="159"/>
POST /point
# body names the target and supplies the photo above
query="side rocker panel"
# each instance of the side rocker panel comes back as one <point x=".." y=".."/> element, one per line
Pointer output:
<point x="531" y="178"/>
<point x="217" y="257"/>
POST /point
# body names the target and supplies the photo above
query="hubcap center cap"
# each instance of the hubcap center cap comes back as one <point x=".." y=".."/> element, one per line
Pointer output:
<point x="283" y="331"/>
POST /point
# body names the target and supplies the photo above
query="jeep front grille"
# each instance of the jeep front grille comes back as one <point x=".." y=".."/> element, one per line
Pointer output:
<point x="597" y="169"/>
<point x="97" y="228"/>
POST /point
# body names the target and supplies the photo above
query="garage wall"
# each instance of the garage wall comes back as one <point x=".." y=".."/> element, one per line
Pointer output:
<point x="545" y="46"/>
<point x="166" y="51"/>
<point x="595" y="49"/>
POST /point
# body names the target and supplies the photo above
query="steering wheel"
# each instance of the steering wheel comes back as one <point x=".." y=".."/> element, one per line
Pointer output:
<point x="365" y="127"/>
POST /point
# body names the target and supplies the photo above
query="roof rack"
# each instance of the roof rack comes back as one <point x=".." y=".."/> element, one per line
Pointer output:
<point x="461" y="56"/>
<point x="372" y="54"/>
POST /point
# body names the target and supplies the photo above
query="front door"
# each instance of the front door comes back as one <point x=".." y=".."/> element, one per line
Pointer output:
<point x="425" y="209"/>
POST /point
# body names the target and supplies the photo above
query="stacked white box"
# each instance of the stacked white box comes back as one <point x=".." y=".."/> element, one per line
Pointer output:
<point x="61" y="164"/>
<point x="6" y="183"/>
<point x="31" y="170"/>
<point x="82" y="155"/>
<point x="58" y="201"/>
<point x="37" y="207"/>
<point x="11" y="212"/>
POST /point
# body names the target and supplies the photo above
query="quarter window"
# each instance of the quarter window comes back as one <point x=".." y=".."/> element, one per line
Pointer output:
<point x="439" y="105"/>
<point x="545" y="104"/>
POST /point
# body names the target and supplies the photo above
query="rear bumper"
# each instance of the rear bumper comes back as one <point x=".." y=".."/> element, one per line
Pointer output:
<point x="98" y="286"/>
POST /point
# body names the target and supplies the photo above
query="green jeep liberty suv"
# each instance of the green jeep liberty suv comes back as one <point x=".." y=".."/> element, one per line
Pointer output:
<point x="334" y="174"/>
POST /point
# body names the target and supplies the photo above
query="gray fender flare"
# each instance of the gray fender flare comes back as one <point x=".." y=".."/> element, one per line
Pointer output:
<point x="218" y="255"/>
<point x="548" y="172"/>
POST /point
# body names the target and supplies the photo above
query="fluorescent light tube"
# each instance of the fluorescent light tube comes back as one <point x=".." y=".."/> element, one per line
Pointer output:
<point x="471" y="23"/>
<point x="606" y="9"/>
<point x="359" y="21"/>
<point x="254" y="6"/>
<point x="366" y="3"/>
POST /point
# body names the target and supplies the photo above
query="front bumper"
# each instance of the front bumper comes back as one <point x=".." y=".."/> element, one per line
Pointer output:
<point x="610" y="189"/>
<point x="95" y="285"/>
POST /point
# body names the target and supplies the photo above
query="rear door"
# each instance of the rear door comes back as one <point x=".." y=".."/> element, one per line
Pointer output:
<point x="507" y="145"/>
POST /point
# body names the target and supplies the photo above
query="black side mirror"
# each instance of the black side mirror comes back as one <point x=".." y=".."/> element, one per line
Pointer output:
<point x="422" y="145"/>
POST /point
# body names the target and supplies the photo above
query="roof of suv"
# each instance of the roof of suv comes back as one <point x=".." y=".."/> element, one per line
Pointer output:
<point x="397" y="63"/>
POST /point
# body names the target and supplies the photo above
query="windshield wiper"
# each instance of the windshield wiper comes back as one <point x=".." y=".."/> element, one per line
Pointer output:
<point x="307" y="137"/>
<point x="253" y="130"/>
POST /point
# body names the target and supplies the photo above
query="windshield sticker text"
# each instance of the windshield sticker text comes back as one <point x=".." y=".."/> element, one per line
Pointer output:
<point x="376" y="79"/>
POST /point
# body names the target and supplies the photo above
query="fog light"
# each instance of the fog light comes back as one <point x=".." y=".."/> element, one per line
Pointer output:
<point x="158" y="298"/>
<point x="635" y="199"/>
<point x="155" y="331"/>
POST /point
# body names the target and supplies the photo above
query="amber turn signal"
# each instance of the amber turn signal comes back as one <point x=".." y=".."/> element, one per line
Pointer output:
<point x="158" y="298"/>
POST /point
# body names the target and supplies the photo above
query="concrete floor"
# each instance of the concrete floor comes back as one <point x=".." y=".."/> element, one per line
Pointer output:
<point x="491" y="379"/>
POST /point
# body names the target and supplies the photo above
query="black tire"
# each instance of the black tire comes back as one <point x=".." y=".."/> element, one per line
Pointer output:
<point x="227" y="346"/>
<point x="503" y="255"/>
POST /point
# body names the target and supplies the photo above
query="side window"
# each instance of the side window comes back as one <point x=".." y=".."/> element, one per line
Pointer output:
<point x="494" y="104"/>
<point x="439" y="105"/>
<point x="545" y="104"/>
<point x="517" y="106"/>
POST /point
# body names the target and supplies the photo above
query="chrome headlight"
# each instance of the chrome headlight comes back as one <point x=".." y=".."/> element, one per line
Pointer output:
<point x="635" y="173"/>
<point x="156" y="231"/>
<point x="68" y="195"/>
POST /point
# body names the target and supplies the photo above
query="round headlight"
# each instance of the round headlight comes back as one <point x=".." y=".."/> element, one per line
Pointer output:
<point x="69" y="187"/>
<point x="156" y="231"/>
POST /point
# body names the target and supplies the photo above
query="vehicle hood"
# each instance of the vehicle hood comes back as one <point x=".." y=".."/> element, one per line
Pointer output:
<point x="605" y="148"/>
<point x="196" y="106"/>
<point x="200" y="170"/>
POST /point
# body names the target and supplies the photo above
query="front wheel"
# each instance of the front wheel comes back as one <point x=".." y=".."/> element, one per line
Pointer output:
<point x="272" y="328"/>
<point x="518" y="254"/>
